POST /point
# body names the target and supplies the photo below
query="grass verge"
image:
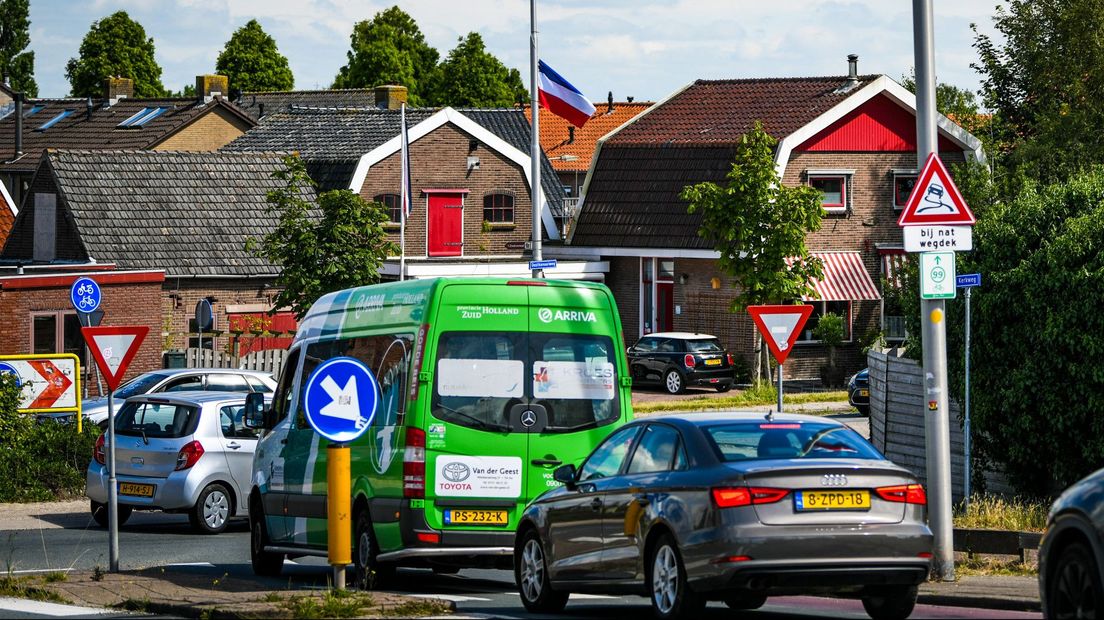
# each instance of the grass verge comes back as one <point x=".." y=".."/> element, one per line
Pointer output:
<point x="27" y="587"/>
<point x="997" y="513"/>
<point x="762" y="395"/>
<point x="988" y="566"/>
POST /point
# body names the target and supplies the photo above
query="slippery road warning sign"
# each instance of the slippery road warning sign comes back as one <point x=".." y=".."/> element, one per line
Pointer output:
<point x="50" y="382"/>
<point x="935" y="201"/>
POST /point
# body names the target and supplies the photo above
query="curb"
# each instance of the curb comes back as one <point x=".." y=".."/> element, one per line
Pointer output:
<point x="978" y="601"/>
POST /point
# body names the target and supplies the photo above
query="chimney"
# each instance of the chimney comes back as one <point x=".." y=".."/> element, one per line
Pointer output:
<point x="18" y="125"/>
<point x="852" y="68"/>
<point x="570" y="134"/>
<point x="629" y="99"/>
<point x="210" y="86"/>
<point x="88" y="108"/>
<point x="390" y="96"/>
<point x="260" y="110"/>
<point x="117" y="88"/>
<point x="609" y="104"/>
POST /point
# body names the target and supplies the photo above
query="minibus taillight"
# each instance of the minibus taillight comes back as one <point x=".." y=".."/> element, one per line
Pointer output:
<point x="688" y="359"/>
<point x="98" y="451"/>
<point x="419" y="355"/>
<point x="526" y="283"/>
<point x="414" y="464"/>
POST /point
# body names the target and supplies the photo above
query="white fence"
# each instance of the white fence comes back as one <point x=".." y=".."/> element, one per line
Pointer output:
<point x="268" y="360"/>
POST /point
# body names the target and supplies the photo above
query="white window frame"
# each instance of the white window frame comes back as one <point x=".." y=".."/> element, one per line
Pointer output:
<point x="899" y="173"/>
<point x="844" y="175"/>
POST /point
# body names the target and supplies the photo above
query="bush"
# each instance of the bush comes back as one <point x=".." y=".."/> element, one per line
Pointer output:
<point x="39" y="462"/>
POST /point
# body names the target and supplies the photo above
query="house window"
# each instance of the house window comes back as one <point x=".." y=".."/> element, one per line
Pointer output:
<point x="392" y="206"/>
<point x="820" y="308"/>
<point x="57" y="332"/>
<point x="498" y="208"/>
<point x="53" y="121"/>
<point x="143" y="116"/>
<point x="903" y="182"/>
<point x="833" y="190"/>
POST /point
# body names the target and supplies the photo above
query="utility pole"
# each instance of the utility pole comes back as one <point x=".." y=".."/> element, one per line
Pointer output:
<point x="534" y="144"/>
<point x="933" y="316"/>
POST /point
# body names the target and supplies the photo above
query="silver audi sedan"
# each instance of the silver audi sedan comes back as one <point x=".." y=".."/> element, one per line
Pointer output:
<point x="734" y="507"/>
<point x="178" y="452"/>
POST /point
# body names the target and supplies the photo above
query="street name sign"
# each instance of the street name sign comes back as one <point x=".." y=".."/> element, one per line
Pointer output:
<point x="542" y="264"/>
<point x="935" y="201"/>
<point x="114" y="348"/>
<point x="968" y="280"/>
<point x="779" y="326"/>
<point x="340" y="399"/>
<point x="937" y="275"/>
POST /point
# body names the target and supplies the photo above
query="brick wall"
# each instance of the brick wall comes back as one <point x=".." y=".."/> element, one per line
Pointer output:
<point x="178" y="301"/>
<point x="209" y="132"/>
<point x="439" y="160"/>
<point x="623" y="281"/>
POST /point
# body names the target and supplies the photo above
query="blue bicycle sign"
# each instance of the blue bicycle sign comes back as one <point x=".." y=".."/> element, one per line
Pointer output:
<point x="85" y="295"/>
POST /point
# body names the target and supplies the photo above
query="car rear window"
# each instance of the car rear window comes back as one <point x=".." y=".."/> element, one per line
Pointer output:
<point x="742" y="441"/>
<point x="161" y="420"/>
<point x="704" y="346"/>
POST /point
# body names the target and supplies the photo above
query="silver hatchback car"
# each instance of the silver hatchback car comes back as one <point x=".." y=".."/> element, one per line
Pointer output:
<point x="180" y="452"/>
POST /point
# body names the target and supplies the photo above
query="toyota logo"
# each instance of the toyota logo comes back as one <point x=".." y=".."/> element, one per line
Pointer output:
<point x="455" y="472"/>
<point x="545" y="315"/>
<point x="834" y="480"/>
<point x="528" y="418"/>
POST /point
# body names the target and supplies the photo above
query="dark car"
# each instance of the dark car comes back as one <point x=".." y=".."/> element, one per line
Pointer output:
<point x="1071" y="556"/>
<point x="734" y="507"/>
<point x="676" y="360"/>
<point x="858" y="391"/>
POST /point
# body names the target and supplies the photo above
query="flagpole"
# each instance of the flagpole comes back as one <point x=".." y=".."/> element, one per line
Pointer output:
<point x="534" y="146"/>
<point x="403" y="193"/>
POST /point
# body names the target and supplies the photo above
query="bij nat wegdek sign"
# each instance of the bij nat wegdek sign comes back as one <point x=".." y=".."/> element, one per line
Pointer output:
<point x="936" y="217"/>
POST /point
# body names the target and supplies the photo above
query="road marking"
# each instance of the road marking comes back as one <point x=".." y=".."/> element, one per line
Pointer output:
<point x="40" y="570"/>
<point x="53" y="610"/>
<point x="191" y="564"/>
<point x="577" y="596"/>
<point x="455" y="598"/>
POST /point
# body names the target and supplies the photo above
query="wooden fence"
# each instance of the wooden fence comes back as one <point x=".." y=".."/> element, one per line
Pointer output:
<point x="268" y="360"/>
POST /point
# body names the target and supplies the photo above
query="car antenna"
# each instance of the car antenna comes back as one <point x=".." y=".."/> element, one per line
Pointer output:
<point x="770" y="415"/>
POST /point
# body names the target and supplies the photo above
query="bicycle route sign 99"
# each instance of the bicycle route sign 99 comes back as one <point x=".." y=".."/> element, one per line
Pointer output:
<point x="85" y="295"/>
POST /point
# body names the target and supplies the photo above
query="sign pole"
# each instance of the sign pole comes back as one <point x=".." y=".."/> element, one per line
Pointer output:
<point x="534" y="140"/>
<point x="933" y="313"/>
<point x="966" y="420"/>
<point x="338" y="500"/>
<point x="112" y="487"/>
<point x="780" y="388"/>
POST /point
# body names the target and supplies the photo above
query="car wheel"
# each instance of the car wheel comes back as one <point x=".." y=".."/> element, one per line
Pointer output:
<point x="724" y="387"/>
<point x="99" y="513"/>
<point x="666" y="582"/>
<point x="890" y="602"/>
<point x="674" y="382"/>
<point x="1074" y="588"/>
<point x="745" y="600"/>
<point x="211" y="512"/>
<point x="265" y="563"/>
<point x="370" y="573"/>
<point x="531" y="575"/>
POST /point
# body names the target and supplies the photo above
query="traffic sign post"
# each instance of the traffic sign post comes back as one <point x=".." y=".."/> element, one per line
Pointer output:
<point x="779" y="326"/>
<point x="340" y="402"/>
<point x="204" y="318"/>
<point x="967" y="281"/>
<point x="85" y="295"/>
<point x="113" y="348"/>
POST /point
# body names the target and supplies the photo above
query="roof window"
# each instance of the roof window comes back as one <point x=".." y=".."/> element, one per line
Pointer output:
<point x="54" y="121"/>
<point x="144" y="116"/>
<point x="34" y="110"/>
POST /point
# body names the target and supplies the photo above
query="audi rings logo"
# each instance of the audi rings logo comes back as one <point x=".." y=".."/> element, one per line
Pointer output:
<point x="456" y="472"/>
<point x="834" y="480"/>
<point x="545" y="315"/>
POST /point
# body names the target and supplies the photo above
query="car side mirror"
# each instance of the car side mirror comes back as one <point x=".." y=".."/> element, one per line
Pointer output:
<point x="254" y="415"/>
<point x="565" y="474"/>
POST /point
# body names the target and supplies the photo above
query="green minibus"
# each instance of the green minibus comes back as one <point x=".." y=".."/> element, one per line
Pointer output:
<point x="486" y="386"/>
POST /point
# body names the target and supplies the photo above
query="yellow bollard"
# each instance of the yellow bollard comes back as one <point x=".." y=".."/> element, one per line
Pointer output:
<point x="338" y="508"/>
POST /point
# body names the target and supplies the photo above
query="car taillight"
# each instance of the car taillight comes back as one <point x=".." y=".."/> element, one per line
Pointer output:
<point x="419" y="355"/>
<point x="730" y="497"/>
<point x="903" y="493"/>
<point x="189" y="455"/>
<point x="689" y="360"/>
<point x="98" y="451"/>
<point x="731" y="360"/>
<point x="414" y="477"/>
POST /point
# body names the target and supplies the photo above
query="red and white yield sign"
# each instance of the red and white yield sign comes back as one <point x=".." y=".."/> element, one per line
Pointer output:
<point x="49" y="382"/>
<point x="113" y="348"/>
<point x="780" y="326"/>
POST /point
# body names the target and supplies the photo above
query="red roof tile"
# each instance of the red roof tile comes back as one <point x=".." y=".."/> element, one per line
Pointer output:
<point x="555" y="136"/>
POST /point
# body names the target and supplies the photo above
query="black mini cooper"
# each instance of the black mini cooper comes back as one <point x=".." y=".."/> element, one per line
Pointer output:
<point x="676" y="360"/>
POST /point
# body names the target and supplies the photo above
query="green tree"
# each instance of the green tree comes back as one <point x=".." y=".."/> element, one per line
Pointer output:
<point x="390" y="49"/>
<point x="339" y="244"/>
<point x="15" y="61"/>
<point x="759" y="226"/>
<point x="958" y="104"/>
<point x="252" y="62"/>
<point x="115" y="46"/>
<point x="472" y="77"/>
<point x="1043" y="78"/>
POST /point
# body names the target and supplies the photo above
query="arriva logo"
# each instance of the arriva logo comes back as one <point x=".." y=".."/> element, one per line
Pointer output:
<point x="547" y="315"/>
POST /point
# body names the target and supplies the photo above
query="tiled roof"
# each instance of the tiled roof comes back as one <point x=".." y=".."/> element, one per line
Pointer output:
<point x="97" y="128"/>
<point x="188" y="213"/>
<point x="335" y="135"/>
<point x="715" y="112"/>
<point x="260" y="104"/>
<point x="569" y="155"/>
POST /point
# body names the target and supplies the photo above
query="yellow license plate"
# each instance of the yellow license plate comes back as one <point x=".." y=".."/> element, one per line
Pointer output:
<point x="713" y="362"/>
<point x="141" y="490"/>
<point x="864" y="392"/>
<point x="831" y="500"/>
<point x="475" y="517"/>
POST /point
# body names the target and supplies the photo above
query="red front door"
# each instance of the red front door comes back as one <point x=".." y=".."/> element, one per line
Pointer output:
<point x="446" y="225"/>
<point x="665" y="306"/>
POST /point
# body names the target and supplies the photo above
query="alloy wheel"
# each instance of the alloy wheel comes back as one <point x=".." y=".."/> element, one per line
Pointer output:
<point x="665" y="579"/>
<point x="674" y="382"/>
<point x="216" y="508"/>
<point x="1075" y="593"/>
<point x="532" y="570"/>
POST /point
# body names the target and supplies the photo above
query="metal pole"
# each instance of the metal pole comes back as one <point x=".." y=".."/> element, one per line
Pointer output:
<point x="966" y="421"/>
<point x="112" y="488"/>
<point x="534" y="142"/>
<point x="338" y="518"/>
<point x="405" y="172"/>
<point x="780" y="388"/>
<point x="933" y="313"/>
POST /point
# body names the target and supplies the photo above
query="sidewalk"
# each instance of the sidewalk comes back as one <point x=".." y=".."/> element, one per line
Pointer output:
<point x="992" y="592"/>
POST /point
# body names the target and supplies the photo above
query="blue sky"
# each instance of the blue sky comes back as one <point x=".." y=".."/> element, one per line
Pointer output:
<point x="640" y="48"/>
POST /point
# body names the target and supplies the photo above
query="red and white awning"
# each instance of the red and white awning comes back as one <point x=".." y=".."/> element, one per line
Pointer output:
<point x="893" y="265"/>
<point x="845" y="279"/>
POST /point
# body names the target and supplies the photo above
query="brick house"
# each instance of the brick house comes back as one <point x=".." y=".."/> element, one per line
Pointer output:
<point x="852" y="137"/>
<point x="470" y="171"/>
<point x="186" y="216"/>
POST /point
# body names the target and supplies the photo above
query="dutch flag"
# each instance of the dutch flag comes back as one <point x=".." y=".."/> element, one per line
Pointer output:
<point x="559" y="97"/>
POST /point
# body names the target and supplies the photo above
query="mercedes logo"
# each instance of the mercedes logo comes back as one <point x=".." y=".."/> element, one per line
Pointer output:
<point x="834" y="480"/>
<point x="528" y="418"/>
